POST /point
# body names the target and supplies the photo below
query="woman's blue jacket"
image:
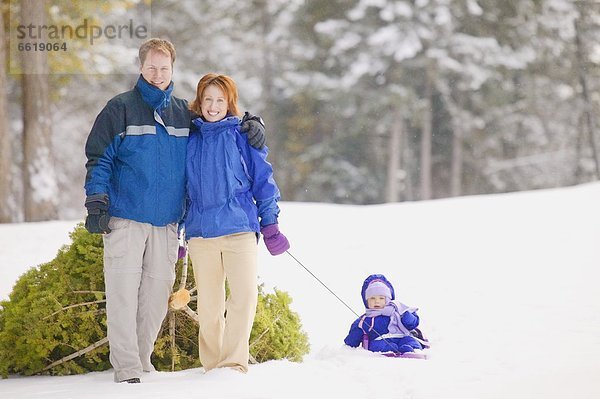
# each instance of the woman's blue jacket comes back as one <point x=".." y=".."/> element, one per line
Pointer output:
<point x="230" y="185"/>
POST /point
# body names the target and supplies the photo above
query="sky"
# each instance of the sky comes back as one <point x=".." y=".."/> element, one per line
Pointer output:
<point x="506" y="287"/>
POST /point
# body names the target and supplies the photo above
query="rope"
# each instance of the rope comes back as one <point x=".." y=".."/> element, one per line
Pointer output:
<point x="323" y="284"/>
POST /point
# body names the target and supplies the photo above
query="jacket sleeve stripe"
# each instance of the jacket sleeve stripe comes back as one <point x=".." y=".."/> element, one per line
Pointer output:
<point x="133" y="130"/>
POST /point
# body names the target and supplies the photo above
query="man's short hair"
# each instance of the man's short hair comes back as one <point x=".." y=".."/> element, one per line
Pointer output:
<point x="162" y="45"/>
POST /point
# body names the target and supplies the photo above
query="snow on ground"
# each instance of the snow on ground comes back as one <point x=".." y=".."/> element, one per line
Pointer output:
<point x="506" y="286"/>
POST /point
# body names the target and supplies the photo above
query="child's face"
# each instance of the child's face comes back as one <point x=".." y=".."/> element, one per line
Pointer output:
<point x="214" y="104"/>
<point x="376" y="302"/>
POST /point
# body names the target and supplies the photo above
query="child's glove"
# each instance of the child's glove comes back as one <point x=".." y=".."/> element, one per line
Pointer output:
<point x="276" y="242"/>
<point x="410" y="320"/>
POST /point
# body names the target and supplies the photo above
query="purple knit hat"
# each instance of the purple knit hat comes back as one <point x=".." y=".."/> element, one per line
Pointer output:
<point x="378" y="288"/>
<point x="371" y="279"/>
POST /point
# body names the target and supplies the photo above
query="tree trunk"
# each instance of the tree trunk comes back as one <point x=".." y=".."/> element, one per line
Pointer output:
<point x="392" y="190"/>
<point x="272" y="123"/>
<point x="408" y="162"/>
<point x="581" y="61"/>
<point x="456" y="168"/>
<point x="267" y="77"/>
<point x="426" y="138"/>
<point x="172" y="333"/>
<point x="578" y="173"/>
<point x="40" y="190"/>
<point x="7" y="213"/>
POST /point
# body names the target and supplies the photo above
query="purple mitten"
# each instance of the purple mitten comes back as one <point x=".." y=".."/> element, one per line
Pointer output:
<point x="181" y="252"/>
<point x="276" y="242"/>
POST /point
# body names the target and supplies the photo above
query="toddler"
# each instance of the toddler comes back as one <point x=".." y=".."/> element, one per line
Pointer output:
<point x="386" y="325"/>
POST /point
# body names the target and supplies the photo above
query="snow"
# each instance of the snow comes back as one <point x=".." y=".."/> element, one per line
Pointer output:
<point x="474" y="8"/>
<point x="506" y="287"/>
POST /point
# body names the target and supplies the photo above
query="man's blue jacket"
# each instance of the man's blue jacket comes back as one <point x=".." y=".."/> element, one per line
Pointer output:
<point x="136" y="154"/>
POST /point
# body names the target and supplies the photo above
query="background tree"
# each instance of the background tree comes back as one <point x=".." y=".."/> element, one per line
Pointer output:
<point x="365" y="101"/>
<point x="581" y="24"/>
<point x="39" y="179"/>
<point x="7" y="198"/>
<point x="71" y="76"/>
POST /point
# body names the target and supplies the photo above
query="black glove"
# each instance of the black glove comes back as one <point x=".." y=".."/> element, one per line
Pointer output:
<point x="97" y="218"/>
<point x="254" y="127"/>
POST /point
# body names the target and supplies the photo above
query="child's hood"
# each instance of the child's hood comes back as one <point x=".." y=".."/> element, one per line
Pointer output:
<point x="372" y="278"/>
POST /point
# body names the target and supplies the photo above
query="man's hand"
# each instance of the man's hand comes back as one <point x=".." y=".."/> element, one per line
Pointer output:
<point x="97" y="218"/>
<point x="254" y="127"/>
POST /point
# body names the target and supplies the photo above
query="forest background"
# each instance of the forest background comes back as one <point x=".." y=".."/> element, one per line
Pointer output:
<point x="365" y="101"/>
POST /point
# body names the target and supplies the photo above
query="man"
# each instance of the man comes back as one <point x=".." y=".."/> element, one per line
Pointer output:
<point x="135" y="187"/>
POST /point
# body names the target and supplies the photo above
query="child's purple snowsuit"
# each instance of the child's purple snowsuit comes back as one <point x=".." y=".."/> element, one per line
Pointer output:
<point x="378" y="326"/>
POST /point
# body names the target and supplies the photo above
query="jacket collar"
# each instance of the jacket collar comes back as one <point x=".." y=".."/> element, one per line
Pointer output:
<point x="207" y="127"/>
<point x="152" y="95"/>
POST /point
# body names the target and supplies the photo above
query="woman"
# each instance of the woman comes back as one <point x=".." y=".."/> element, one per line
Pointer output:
<point x="231" y="197"/>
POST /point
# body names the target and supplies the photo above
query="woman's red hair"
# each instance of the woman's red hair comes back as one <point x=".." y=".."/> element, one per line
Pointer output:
<point x="223" y="82"/>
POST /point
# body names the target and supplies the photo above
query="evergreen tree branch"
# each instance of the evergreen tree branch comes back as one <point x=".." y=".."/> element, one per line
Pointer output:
<point x="74" y="306"/>
<point x="93" y="346"/>
<point x="191" y="314"/>
<point x="89" y="292"/>
<point x="172" y="333"/>
<point x="253" y="343"/>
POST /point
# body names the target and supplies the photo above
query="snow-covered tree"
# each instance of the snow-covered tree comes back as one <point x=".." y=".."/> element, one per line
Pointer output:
<point x="365" y="100"/>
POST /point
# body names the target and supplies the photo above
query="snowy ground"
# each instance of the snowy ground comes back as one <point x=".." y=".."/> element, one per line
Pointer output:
<point x="506" y="286"/>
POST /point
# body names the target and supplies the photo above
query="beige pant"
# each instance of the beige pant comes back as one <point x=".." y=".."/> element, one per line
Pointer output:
<point x="223" y="341"/>
<point x="139" y="271"/>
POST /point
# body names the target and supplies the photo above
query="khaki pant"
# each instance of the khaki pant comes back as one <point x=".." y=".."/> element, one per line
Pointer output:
<point x="139" y="271"/>
<point x="223" y="341"/>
